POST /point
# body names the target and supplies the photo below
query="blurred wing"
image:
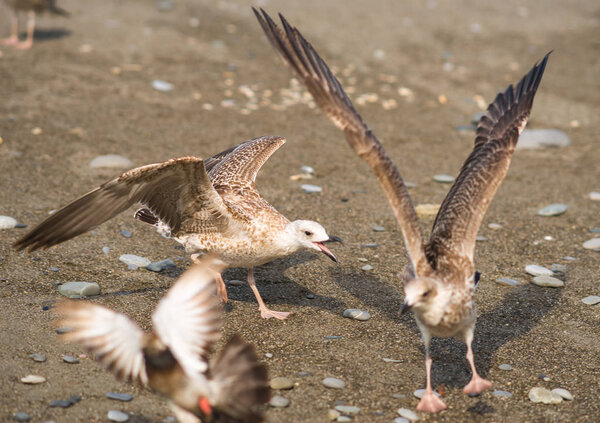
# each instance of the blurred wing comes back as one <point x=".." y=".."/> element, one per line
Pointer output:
<point x="462" y="211"/>
<point x="115" y="340"/>
<point x="178" y="192"/>
<point x="188" y="318"/>
<point x="332" y="99"/>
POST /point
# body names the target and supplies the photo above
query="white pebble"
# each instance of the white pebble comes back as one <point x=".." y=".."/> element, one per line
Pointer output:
<point x="307" y="169"/>
<point x="507" y="282"/>
<point x="84" y="289"/>
<point x="444" y="179"/>
<point x="163" y="86"/>
<point x="419" y="393"/>
<point x="105" y="250"/>
<point x="548" y="281"/>
<point x="308" y="188"/>
<point x="133" y="260"/>
<point x="544" y="396"/>
<point x="553" y="210"/>
<point x="401" y="420"/>
<point x="591" y="300"/>
<point x="535" y="270"/>
<point x="367" y="267"/>
<point x="7" y="222"/>
<point x="563" y="393"/>
<point x="495" y="226"/>
<point x="347" y="409"/>
<point x="505" y="367"/>
<point x="117" y="416"/>
<point x="592" y="244"/>
<point x="33" y="379"/>
<point x="542" y="138"/>
<point x="279" y="402"/>
<point x="502" y="394"/>
<point x="408" y="414"/>
<point x="333" y="383"/>
<point x="356" y="314"/>
<point x="595" y="195"/>
<point x="111" y="160"/>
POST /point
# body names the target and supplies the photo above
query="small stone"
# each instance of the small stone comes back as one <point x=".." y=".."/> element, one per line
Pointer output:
<point x="7" y="222"/>
<point x="592" y="230"/>
<point x="399" y="396"/>
<point x="310" y="189"/>
<point x="370" y="245"/>
<point x="480" y="238"/>
<point x="33" y="379"/>
<point x="119" y="397"/>
<point x="307" y="169"/>
<point x="21" y="417"/>
<point x="444" y="179"/>
<point x="595" y="195"/>
<point x="126" y="233"/>
<point x="75" y="399"/>
<point x="61" y="403"/>
<point x="505" y="367"/>
<point x="54" y="269"/>
<point x="559" y="268"/>
<point x="160" y="85"/>
<point x="333" y="415"/>
<point x="333" y="383"/>
<point x="591" y="300"/>
<point x="83" y="289"/>
<point x="563" y="393"/>
<point x="408" y="414"/>
<point x="279" y="402"/>
<point x="105" y="250"/>
<point x="553" y="210"/>
<point x="40" y="358"/>
<point x="132" y="267"/>
<point x="495" y="226"/>
<point x="391" y="360"/>
<point x="310" y="296"/>
<point x="544" y="396"/>
<point x="304" y="374"/>
<point x="502" y="394"/>
<point x="281" y="383"/>
<point x="269" y="355"/>
<point x="37" y="131"/>
<point x="507" y="282"/>
<point x="332" y="337"/>
<point x="159" y="266"/>
<point x="378" y="228"/>
<point x="69" y="359"/>
<point x="542" y="138"/>
<point x="569" y="258"/>
<point x="535" y="270"/>
<point x="117" y="416"/>
<point x="356" y="314"/>
<point x="111" y="161"/>
<point x="367" y="267"/>
<point x="548" y="281"/>
<point x="343" y="419"/>
<point x="235" y="282"/>
<point x="401" y="420"/>
<point x="592" y="244"/>
<point x="64" y="329"/>
<point x="419" y="393"/>
<point x="132" y="259"/>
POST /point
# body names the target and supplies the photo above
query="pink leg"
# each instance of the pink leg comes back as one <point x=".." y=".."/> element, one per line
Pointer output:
<point x="264" y="311"/>
<point x="30" y="28"/>
<point x="430" y="402"/>
<point x="221" y="289"/>
<point x="14" y="36"/>
<point x="477" y="383"/>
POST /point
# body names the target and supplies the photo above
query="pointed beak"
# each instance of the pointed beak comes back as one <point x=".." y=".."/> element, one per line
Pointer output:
<point x="325" y="250"/>
<point x="333" y="238"/>
<point x="405" y="307"/>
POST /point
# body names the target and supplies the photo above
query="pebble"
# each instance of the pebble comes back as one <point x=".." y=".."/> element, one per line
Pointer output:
<point x="132" y="267"/>
<point x="64" y="329"/>
<point x="507" y="282"/>
<point x="111" y="160"/>
<point x="105" y="250"/>
<point x="310" y="296"/>
<point x="333" y="383"/>
<point x="553" y="210"/>
<point x="569" y="258"/>
<point x="7" y="222"/>
<point x="502" y="394"/>
<point x="119" y="397"/>
<point x="33" y="379"/>
<point x="269" y="355"/>
<point x="559" y="268"/>
<point x="505" y="367"/>
<point x="595" y="195"/>
<point x="332" y="337"/>
<point x="132" y="259"/>
<point x="542" y="138"/>
<point x="427" y="209"/>
<point x="367" y="267"/>
<point x="563" y="393"/>
<point x="544" y="395"/>
<point x="159" y="266"/>
<point x="160" y="85"/>
<point x="408" y="414"/>
<point x="370" y="245"/>
<point x="117" y="416"/>
<point x="419" y="393"/>
<point x="401" y="420"/>
<point x="279" y="402"/>
<point x="61" y="403"/>
<point x="69" y="359"/>
<point x="535" y="270"/>
<point x="378" y="228"/>
<point x="391" y="360"/>
<point x="37" y="131"/>
<point x="592" y="244"/>
<point x="281" y="383"/>
<point x="495" y="226"/>
<point x="356" y="314"/>
<point x="444" y="179"/>
<point x="22" y="417"/>
<point x="83" y="289"/>
<point x="548" y="281"/>
<point x="333" y="415"/>
<point x="54" y="269"/>
<point x="343" y="419"/>
<point x="591" y="300"/>
<point x="126" y="233"/>
<point x="304" y="374"/>
<point x="40" y="358"/>
<point x="310" y="189"/>
<point x="307" y="169"/>
<point x="235" y="282"/>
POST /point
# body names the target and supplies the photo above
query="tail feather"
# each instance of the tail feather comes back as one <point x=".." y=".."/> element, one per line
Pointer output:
<point x="240" y="384"/>
<point x="146" y="216"/>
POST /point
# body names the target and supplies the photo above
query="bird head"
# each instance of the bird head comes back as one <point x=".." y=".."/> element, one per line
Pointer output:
<point x="311" y="235"/>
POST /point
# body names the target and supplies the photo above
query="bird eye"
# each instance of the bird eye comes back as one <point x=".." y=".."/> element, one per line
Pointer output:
<point x="308" y="233"/>
<point x="426" y="293"/>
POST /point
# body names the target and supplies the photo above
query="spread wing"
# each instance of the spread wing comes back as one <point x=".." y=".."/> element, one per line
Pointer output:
<point x="332" y="99"/>
<point x="178" y="191"/>
<point x="115" y="340"/>
<point x="188" y="318"/>
<point x="462" y="211"/>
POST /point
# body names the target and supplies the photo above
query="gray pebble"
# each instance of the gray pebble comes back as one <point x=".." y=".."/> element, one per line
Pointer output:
<point x="111" y="160"/>
<point x="304" y="374"/>
<point x="83" y="289"/>
<point x="399" y="396"/>
<point x="507" y="282"/>
<point x="419" y="393"/>
<point x="595" y="230"/>
<point x="347" y="409"/>
<point x="7" y="222"/>
<point x="310" y="189"/>
<point x="560" y="268"/>
<point x="105" y="250"/>
<point x="505" y="367"/>
<point x="69" y="359"/>
<point x="548" y="281"/>
<point x="480" y="238"/>
<point x="118" y="396"/>
<point x="132" y="259"/>
<point x="64" y="329"/>
<point x="356" y="314"/>
<point x="595" y="195"/>
<point x="563" y="393"/>
<point x="591" y="300"/>
<point x="279" y="402"/>
<point x="408" y="414"/>
<point x="281" y="383"/>
<point x="333" y="383"/>
<point x="159" y="266"/>
<point x="444" y="179"/>
<point x="117" y="416"/>
<point x="535" y="270"/>
<point x="502" y="394"/>
<point x="163" y="86"/>
<point x="126" y="233"/>
<point x="132" y="267"/>
<point x="61" y="403"/>
<point x="592" y="244"/>
<point x="401" y="420"/>
<point x="370" y="245"/>
<point x="235" y="282"/>
<point x="367" y="267"/>
<point x="378" y="228"/>
<point x="40" y="358"/>
<point x="553" y="210"/>
<point x="310" y="296"/>
<point x="332" y="337"/>
<point x="545" y="396"/>
<point x="54" y="269"/>
<point x="542" y="138"/>
<point x="21" y="417"/>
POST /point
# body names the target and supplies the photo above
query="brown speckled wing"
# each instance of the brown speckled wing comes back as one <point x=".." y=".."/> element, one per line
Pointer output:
<point x="462" y="211"/>
<point x="178" y="191"/>
<point x="332" y="99"/>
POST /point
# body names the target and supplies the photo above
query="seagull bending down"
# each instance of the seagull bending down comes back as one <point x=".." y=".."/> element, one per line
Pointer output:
<point x="440" y="279"/>
<point x="210" y="206"/>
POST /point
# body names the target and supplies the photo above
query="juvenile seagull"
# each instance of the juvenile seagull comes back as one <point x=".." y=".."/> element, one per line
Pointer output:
<point x="440" y="279"/>
<point x="210" y="206"/>
<point x="172" y="359"/>
<point x="32" y="7"/>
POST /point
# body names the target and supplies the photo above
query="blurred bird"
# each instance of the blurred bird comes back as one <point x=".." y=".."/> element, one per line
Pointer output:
<point x="440" y="280"/>
<point x="208" y="206"/>
<point x="32" y="7"/>
<point x="172" y="359"/>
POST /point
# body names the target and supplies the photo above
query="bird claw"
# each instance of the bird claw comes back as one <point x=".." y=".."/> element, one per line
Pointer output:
<point x="431" y="403"/>
<point x="265" y="313"/>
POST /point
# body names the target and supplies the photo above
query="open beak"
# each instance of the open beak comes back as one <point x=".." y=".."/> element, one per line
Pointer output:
<point x="325" y="250"/>
<point x="405" y="308"/>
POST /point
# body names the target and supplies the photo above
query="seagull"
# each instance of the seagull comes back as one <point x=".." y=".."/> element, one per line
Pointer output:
<point x="32" y="7"/>
<point x="172" y="359"/>
<point x="440" y="279"/>
<point x="209" y="206"/>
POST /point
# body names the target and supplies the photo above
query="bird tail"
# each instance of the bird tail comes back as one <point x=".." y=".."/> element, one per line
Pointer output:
<point x="240" y="383"/>
<point x="146" y="216"/>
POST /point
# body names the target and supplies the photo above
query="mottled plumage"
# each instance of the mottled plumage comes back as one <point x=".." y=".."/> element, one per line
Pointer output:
<point x="32" y="7"/>
<point x="440" y="279"/>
